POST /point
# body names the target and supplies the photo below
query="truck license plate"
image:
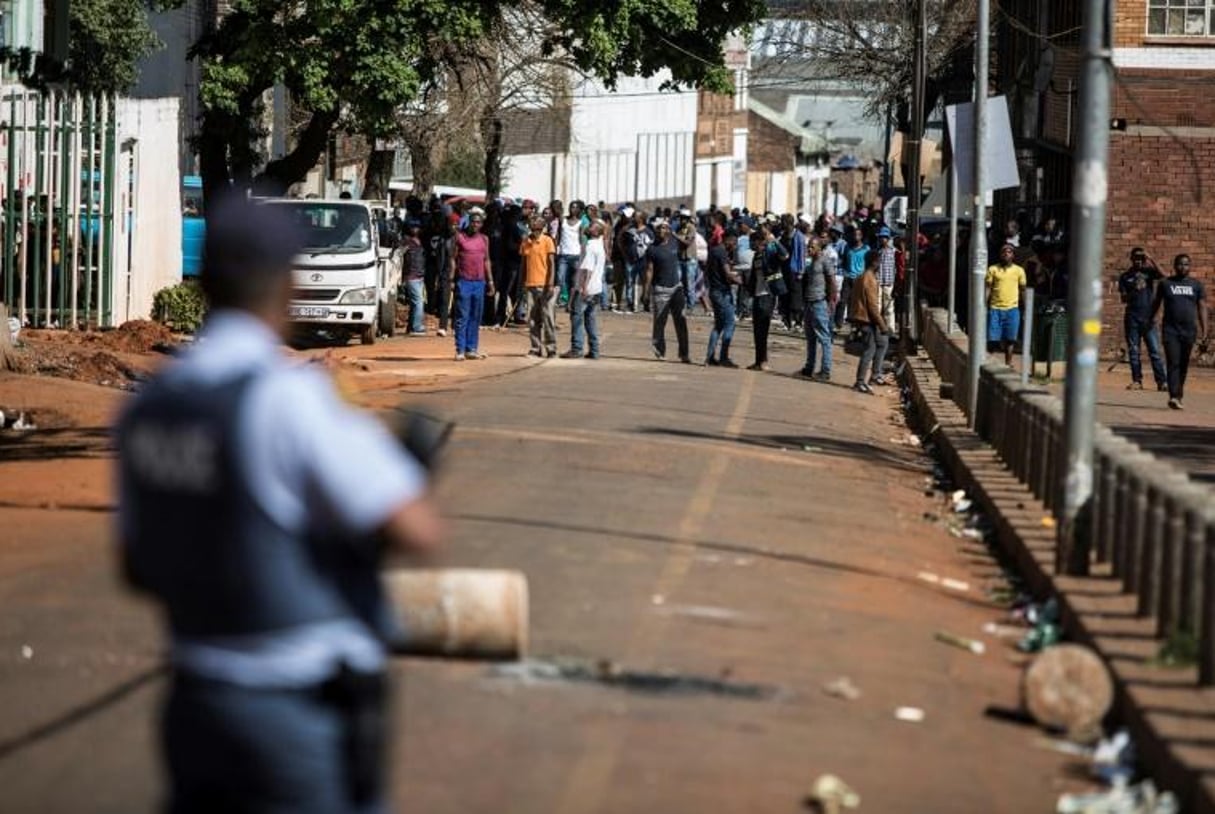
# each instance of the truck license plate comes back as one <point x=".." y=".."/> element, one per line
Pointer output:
<point x="311" y="311"/>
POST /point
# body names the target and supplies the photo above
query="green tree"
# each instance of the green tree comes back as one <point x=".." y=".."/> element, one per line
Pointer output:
<point x="354" y="64"/>
<point x="107" y="40"/>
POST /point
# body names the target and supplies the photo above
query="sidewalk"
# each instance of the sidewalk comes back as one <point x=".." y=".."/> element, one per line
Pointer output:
<point x="1185" y="437"/>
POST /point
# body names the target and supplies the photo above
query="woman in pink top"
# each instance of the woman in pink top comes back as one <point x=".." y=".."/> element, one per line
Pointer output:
<point x="473" y="280"/>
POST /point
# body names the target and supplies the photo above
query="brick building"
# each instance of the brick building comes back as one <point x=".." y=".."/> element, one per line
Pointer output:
<point x="1162" y="166"/>
<point x="1162" y="141"/>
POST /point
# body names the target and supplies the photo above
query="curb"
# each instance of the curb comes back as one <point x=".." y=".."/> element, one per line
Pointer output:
<point x="1171" y="720"/>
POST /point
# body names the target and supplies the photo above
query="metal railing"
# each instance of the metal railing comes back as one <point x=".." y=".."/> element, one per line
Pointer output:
<point x="1152" y="525"/>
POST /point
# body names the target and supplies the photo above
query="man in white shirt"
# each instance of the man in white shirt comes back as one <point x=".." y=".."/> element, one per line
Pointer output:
<point x="586" y="295"/>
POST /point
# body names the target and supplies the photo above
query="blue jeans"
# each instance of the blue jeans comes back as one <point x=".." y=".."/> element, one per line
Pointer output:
<point x="634" y="273"/>
<point x="417" y="318"/>
<point x="818" y="324"/>
<point x="470" y="306"/>
<point x="567" y="272"/>
<point x="1137" y="329"/>
<point x="585" y="313"/>
<point x="723" y="323"/>
<point x="688" y="270"/>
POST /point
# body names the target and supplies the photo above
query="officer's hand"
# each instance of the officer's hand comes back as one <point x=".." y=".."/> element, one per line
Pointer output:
<point x="424" y="435"/>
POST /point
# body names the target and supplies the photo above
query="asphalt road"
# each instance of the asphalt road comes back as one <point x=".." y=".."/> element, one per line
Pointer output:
<point x="730" y="540"/>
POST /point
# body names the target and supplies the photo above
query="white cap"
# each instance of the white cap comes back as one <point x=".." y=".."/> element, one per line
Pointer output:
<point x="685" y="212"/>
<point x="628" y="211"/>
<point x="801" y="218"/>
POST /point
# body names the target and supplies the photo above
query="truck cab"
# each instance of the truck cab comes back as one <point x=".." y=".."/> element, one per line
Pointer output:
<point x="345" y="281"/>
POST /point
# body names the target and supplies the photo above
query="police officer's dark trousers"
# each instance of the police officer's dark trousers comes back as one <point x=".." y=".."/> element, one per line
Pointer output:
<point x="257" y="751"/>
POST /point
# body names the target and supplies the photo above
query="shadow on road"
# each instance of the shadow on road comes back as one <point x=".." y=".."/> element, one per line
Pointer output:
<point x="1191" y="448"/>
<point x="821" y="444"/>
<point x="82" y="712"/>
<point x="45" y="445"/>
<point x="738" y="549"/>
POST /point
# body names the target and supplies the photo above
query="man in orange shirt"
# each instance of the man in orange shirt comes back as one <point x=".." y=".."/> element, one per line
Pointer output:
<point x="539" y="270"/>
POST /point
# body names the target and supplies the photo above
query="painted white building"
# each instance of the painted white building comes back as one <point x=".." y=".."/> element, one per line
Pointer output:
<point x="631" y="143"/>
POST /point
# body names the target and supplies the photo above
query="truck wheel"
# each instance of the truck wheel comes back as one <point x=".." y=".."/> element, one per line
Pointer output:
<point x="388" y="318"/>
<point x="367" y="335"/>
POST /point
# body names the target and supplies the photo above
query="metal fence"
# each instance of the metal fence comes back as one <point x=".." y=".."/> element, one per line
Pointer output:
<point x="58" y="179"/>
<point x="1152" y="526"/>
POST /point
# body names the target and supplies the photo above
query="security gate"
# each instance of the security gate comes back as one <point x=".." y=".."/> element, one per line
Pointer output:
<point x="58" y="178"/>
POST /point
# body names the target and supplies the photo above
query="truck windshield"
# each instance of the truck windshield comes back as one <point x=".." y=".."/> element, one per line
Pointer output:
<point x="331" y="228"/>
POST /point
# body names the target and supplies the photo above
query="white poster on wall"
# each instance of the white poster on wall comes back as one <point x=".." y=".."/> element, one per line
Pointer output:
<point x="997" y="146"/>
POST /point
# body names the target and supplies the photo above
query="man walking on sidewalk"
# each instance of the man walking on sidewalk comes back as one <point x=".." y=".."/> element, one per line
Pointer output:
<point x="1005" y="285"/>
<point x="1137" y="287"/>
<point x="539" y="272"/>
<point x="1184" y="323"/>
<point x="586" y="296"/>
<point x="820" y="292"/>
<point x="721" y="279"/>
<point x="887" y="271"/>
<point x="472" y="277"/>
<point x="865" y="313"/>
<point x="665" y="291"/>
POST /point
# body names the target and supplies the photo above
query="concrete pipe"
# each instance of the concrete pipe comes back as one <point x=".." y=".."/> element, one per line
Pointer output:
<point x="465" y="613"/>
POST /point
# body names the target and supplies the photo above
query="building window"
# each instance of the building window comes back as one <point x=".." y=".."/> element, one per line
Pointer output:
<point x="1181" y="18"/>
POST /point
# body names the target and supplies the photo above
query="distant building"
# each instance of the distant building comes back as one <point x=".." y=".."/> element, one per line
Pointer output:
<point x="1162" y="139"/>
<point x="633" y="143"/>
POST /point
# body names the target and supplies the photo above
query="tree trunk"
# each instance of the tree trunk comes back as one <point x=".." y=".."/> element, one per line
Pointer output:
<point x="491" y="137"/>
<point x="212" y="146"/>
<point x="292" y="168"/>
<point x="421" y="154"/>
<point x="379" y="173"/>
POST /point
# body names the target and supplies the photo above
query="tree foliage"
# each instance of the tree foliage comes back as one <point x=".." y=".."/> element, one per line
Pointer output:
<point x="870" y="44"/>
<point x="358" y="64"/>
<point x="107" y="40"/>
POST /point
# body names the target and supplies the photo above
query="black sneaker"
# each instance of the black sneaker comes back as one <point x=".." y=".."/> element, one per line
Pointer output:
<point x="821" y="377"/>
<point x="861" y="387"/>
<point x="659" y="355"/>
<point x="1162" y="387"/>
<point x="727" y="362"/>
<point x="687" y="360"/>
<point x="711" y="362"/>
<point x="572" y="354"/>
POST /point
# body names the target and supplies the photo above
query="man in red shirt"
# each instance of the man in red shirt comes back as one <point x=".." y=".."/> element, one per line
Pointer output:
<point x="472" y="277"/>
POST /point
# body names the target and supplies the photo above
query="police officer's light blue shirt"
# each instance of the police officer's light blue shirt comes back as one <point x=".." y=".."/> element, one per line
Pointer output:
<point x="317" y="466"/>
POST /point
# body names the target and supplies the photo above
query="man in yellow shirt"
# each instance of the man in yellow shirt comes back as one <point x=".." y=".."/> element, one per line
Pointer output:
<point x="1005" y="285"/>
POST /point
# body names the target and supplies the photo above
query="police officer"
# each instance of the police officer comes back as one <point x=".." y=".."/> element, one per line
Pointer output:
<point x="254" y="508"/>
<point x="1184" y="323"/>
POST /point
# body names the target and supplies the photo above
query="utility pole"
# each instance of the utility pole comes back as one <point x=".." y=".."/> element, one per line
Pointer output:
<point x="977" y="322"/>
<point x="1090" y="183"/>
<point x="913" y="184"/>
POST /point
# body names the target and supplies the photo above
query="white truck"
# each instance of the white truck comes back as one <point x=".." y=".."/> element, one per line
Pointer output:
<point x="346" y="282"/>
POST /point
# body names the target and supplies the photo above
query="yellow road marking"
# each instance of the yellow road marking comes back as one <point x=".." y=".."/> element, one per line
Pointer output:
<point x="586" y="787"/>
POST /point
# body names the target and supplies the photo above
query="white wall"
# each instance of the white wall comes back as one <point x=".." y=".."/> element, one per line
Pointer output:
<point x="530" y="176"/>
<point x="739" y="197"/>
<point x="633" y="143"/>
<point x="704" y="183"/>
<point x="147" y="244"/>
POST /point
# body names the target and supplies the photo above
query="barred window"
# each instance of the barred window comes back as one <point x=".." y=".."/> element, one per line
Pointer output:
<point x="1181" y="18"/>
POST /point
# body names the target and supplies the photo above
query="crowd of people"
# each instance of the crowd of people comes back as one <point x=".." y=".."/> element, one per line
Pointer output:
<point x="516" y="263"/>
